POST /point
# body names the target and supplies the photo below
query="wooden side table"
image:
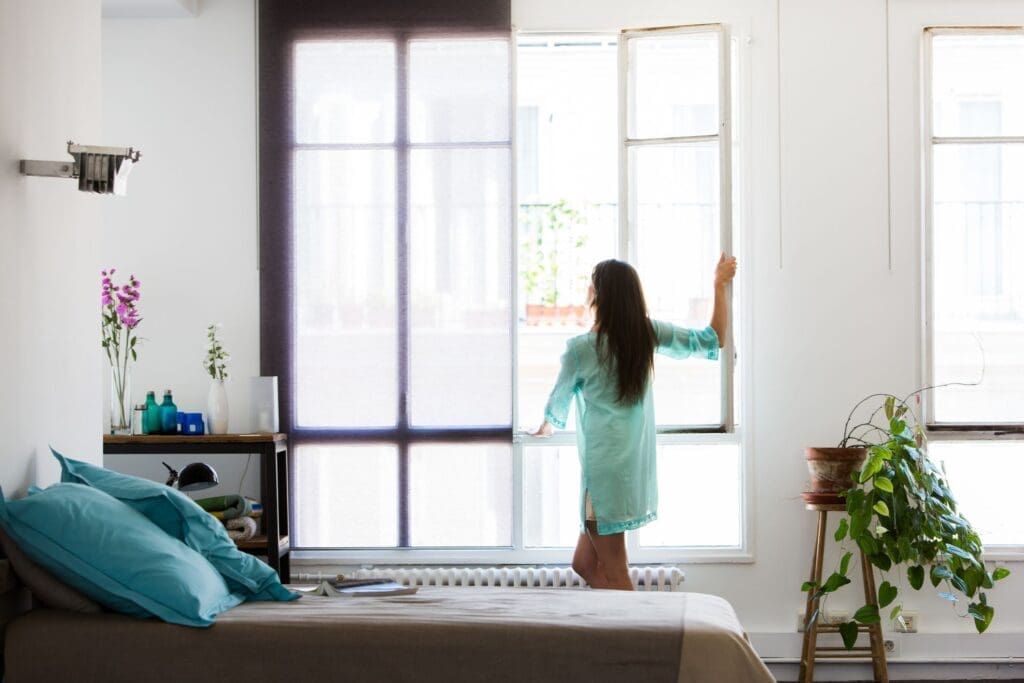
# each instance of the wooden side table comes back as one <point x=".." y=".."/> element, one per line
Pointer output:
<point x="811" y="652"/>
<point x="273" y="451"/>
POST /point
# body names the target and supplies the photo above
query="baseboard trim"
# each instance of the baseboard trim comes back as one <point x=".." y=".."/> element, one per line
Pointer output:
<point x="912" y="657"/>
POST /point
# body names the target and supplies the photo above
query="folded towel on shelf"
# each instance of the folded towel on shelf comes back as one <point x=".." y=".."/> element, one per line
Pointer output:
<point x="228" y="507"/>
<point x="241" y="528"/>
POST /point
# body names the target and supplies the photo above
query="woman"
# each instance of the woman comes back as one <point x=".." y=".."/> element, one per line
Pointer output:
<point x="608" y="370"/>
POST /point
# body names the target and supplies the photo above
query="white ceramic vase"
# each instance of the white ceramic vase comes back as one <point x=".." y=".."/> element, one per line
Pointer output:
<point x="217" y="408"/>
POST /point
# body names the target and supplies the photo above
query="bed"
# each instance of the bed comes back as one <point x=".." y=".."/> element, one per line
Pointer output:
<point x="438" y="634"/>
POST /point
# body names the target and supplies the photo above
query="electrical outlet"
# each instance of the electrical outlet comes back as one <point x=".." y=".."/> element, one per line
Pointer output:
<point x="824" y="619"/>
<point x="906" y="623"/>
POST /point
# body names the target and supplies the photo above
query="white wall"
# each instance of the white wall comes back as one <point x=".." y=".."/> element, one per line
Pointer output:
<point x="815" y="253"/>
<point x="50" y="80"/>
<point x="183" y="91"/>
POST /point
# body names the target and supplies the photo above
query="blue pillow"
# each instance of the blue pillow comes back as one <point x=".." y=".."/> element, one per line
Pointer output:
<point x="113" y="554"/>
<point x="182" y="518"/>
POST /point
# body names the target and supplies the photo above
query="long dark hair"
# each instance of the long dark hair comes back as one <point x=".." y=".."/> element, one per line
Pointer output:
<point x="625" y="336"/>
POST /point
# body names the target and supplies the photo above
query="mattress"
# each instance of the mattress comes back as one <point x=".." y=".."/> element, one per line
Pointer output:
<point x="437" y="634"/>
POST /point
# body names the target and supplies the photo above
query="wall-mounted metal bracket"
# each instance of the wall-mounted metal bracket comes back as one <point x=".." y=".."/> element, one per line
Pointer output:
<point x="103" y="170"/>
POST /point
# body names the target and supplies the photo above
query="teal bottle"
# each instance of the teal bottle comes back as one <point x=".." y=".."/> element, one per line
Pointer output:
<point x="168" y="415"/>
<point x="151" y="420"/>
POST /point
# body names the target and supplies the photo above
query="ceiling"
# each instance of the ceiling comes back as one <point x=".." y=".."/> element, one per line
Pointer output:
<point x="141" y="9"/>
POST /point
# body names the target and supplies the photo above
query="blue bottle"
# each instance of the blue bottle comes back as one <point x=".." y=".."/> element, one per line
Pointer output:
<point x="151" y="419"/>
<point x="168" y="415"/>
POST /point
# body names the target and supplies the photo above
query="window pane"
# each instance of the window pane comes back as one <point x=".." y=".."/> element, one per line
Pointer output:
<point x="460" y="495"/>
<point x="568" y="193"/>
<point x="699" y="497"/>
<point x="551" y="484"/>
<point x="344" y="91"/>
<point x="344" y="278"/>
<point x="976" y="87"/>
<point x="347" y="496"/>
<point x="459" y="90"/>
<point x="977" y="282"/>
<point x="678" y="245"/>
<point x="460" y="321"/>
<point x="985" y="477"/>
<point x="673" y="85"/>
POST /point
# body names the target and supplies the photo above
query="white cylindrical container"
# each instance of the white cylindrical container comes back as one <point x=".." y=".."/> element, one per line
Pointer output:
<point x="263" y="405"/>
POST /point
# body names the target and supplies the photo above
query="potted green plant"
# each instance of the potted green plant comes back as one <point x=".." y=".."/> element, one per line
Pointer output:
<point x="903" y="517"/>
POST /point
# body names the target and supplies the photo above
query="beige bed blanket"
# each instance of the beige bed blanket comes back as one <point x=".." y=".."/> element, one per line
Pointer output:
<point x="438" y="634"/>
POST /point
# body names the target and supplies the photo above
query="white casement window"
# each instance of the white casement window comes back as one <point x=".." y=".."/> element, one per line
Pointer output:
<point x="974" y="291"/>
<point x="623" y="146"/>
<point x="655" y="199"/>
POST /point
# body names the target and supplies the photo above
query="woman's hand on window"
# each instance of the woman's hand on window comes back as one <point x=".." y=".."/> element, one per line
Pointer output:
<point x="544" y="431"/>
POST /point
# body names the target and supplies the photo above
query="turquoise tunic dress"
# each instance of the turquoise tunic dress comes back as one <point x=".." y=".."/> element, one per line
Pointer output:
<point x="617" y="442"/>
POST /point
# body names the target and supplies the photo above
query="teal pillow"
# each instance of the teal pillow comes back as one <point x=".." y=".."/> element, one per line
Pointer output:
<point x="114" y="555"/>
<point x="182" y="518"/>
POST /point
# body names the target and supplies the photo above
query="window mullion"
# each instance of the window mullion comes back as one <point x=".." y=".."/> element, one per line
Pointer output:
<point x="627" y="240"/>
<point x="402" y="273"/>
<point x="725" y="214"/>
<point x="929" y="316"/>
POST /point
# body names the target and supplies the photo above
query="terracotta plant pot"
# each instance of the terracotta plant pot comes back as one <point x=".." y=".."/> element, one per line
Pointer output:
<point x="831" y="468"/>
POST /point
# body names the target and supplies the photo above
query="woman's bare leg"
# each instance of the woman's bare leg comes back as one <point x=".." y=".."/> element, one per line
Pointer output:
<point x="586" y="564"/>
<point x="611" y="558"/>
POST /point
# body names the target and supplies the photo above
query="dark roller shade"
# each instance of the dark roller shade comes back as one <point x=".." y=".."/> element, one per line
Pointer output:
<point x="280" y="24"/>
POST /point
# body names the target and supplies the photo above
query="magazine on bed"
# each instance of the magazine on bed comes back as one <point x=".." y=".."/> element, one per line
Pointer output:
<point x="351" y="588"/>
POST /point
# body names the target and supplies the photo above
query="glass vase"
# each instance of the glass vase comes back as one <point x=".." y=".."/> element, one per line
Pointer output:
<point x="121" y="401"/>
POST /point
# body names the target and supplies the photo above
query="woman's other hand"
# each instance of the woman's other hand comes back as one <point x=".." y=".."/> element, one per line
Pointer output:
<point x="725" y="271"/>
<point x="545" y="430"/>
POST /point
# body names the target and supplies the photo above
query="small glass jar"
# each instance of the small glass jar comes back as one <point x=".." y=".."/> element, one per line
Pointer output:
<point x="138" y="419"/>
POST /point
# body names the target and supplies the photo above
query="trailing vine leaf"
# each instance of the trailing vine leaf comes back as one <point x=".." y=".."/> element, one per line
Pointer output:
<point x="883" y="484"/>
<point x="881" y="560"/>
<point x="881" y="508"/>
<point x="848" y="631"/>
<point x="960" y="552"/>
<point x="873" y="466"/>
<point x="841" y="531"/>
<point x="832" y="584"/>
<point x="938" y="573"/>
<point x="844" y="564"/>
<point x="868" y="614"/>
<point x="982" y="614"/>
<point x="915" y="575"/>
<point x="886" y="594"/>
<point x="809" y="586"/>
<point x="1000" y="573"/>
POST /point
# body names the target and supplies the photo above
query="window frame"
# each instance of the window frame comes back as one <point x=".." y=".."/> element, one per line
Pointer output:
<point x="668" y="434"/>
<point x="628" y="237"/>
<point x="951" y="432"/>
<point x="956" y="431"/>
<point x="725" y="433"/>
<point x="403" y="435"/>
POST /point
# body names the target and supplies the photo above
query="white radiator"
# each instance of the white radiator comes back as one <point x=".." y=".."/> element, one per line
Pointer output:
<point x="644" y="578"/>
